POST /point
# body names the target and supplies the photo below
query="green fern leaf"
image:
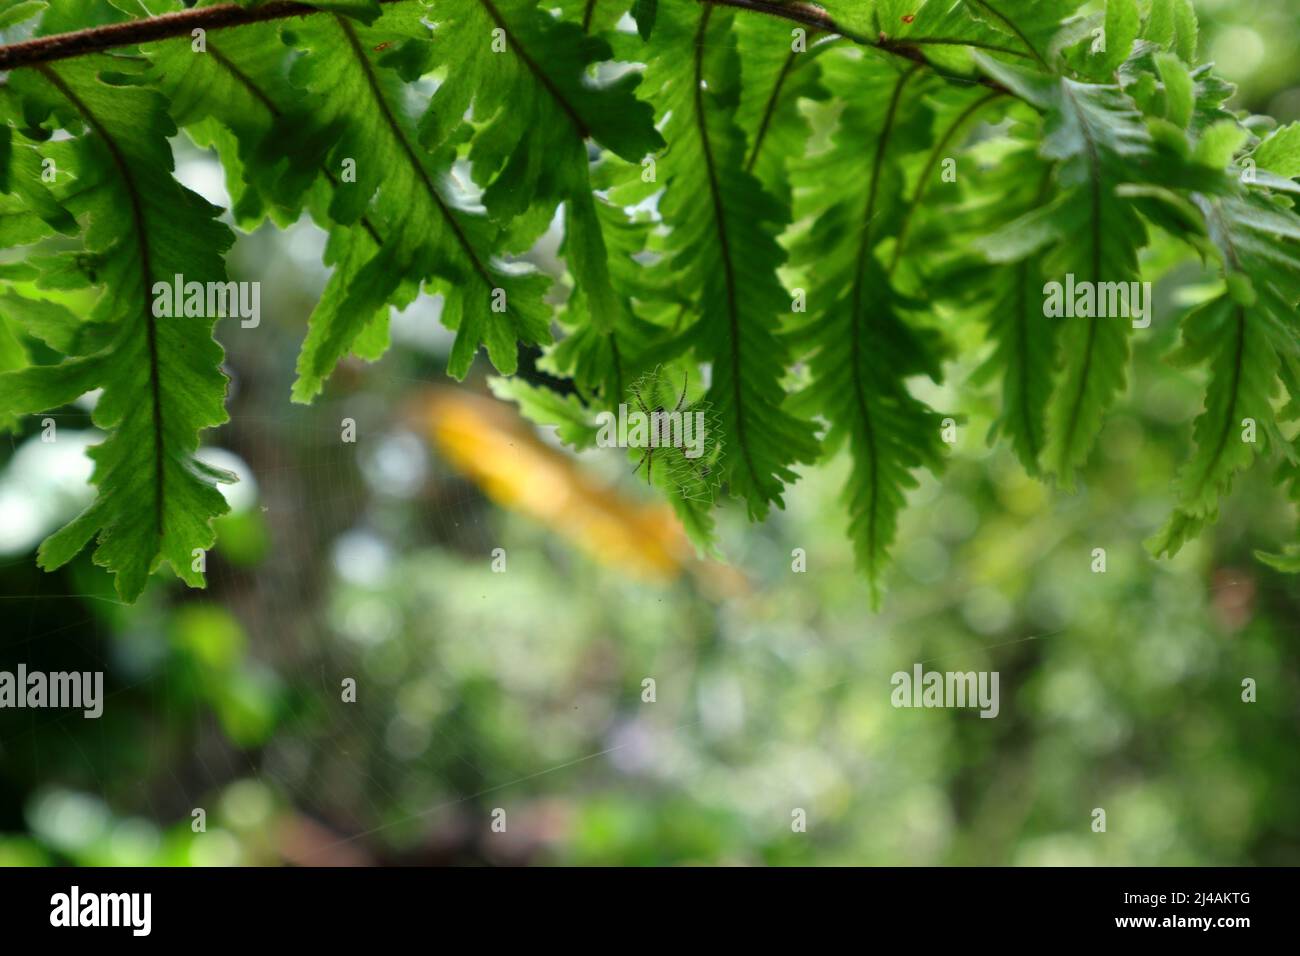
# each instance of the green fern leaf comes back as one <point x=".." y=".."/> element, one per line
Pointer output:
<point x="723" y="243"/>
<point x="1034" y="24"/>
<point x="1241" y="335"/>
<point x="862" y="348"/>
<point x="1090" y="233"/>
<point x="427" y="235"/>
<point x="160" y="377"/>
<point x="778" y="73"/>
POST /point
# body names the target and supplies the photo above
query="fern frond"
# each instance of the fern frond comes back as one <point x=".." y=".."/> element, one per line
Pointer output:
<point x="862" y="351"/>
<point x="427" y="235"/>
<point x="723" y="243"/>
<point x="609" y="343"/>
<point x="1033" y="24"/>
<point x="1243" y="335"/>
<point x="777" y="73"/>
<point x="160" y="377"/>
<point x="240" y="84"/>
<point x="534" y="107"/>
<point x="1098" y="141"/>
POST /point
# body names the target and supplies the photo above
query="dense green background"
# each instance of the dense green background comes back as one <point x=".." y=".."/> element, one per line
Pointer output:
<point x="523" y="690"/>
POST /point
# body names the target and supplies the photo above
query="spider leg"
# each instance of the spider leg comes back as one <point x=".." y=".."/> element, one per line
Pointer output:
<point x="640" y="402"/>
<point x="686" y="378"/>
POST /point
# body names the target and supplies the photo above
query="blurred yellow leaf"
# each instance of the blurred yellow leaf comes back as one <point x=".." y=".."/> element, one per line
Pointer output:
<point x="490" y="443"/>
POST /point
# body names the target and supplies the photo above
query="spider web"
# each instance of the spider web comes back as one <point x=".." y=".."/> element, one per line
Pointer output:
<point x="671" y="465"/>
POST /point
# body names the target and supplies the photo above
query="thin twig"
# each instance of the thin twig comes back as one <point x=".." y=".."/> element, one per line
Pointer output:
<point x="819" y="19"/>
<point x="63" y="46"/>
